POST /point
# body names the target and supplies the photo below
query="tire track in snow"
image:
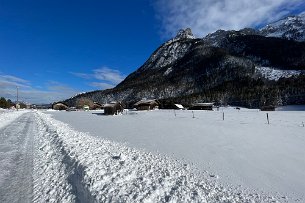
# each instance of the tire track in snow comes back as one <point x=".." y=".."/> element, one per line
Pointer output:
<point x="16" y="154"/>
<point x="97" y="170"/>
<point x="57" y="176"/>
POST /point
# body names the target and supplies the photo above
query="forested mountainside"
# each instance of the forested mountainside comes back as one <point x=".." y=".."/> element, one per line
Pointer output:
<point x="250" y="68"/>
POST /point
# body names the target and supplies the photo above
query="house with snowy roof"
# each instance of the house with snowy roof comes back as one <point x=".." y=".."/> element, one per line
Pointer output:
<point x="146" y="105"/>
<point x="59" y="106"/>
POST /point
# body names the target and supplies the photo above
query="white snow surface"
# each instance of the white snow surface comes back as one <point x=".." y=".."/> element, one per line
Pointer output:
<point x="243" y="150"/>
<point x="275" y="74"/>
<point x="291" y="27"/>
<point x="79" y="167"/>
<point x="154" y="156"/>
<point x="7" y="116"/>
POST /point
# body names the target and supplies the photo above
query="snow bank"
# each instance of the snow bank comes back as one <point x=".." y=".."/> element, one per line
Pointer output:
<point x="77" y="167"/>
<point x="8" y="116"/>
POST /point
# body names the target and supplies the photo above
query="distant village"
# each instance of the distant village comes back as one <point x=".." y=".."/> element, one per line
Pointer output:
<point x="115" y="108"/>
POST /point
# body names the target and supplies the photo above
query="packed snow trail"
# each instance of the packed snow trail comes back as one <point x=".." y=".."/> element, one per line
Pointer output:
<point x="16" y="156"/>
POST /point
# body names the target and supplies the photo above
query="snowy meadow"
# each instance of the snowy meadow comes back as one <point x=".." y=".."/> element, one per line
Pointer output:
<point x="238" y="148"/>
<point x="228" y="155"/>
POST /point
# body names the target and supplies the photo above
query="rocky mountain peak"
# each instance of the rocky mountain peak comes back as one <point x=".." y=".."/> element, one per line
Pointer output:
<point x="291" y="27"/>
<point x="185" y="34"/>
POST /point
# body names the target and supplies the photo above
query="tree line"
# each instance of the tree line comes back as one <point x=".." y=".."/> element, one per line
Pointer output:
<point x="7" y="103"/>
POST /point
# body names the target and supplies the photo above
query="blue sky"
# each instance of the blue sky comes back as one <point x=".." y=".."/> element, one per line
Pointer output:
<point x="55" y="49"/>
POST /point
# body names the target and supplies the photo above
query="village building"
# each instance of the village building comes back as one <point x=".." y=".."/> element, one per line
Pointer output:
<point x="113" y="108"/>
<point x="60" y="106"/>
<point x="202" y="106"/>
<point x="97" y="106"/>
<point x="146" y="105"/>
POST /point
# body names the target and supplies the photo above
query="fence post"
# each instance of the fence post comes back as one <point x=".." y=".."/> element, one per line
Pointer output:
<point x="223" y="116"/>
<point x="175" y="112"/>
<point x="268" y="118"/>
<point x="193" y="114"/>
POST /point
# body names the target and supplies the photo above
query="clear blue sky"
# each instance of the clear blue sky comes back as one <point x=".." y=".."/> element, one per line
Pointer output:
<point x="53" y="49"/>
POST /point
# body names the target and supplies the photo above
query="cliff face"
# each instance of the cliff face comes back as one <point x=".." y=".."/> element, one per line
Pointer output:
<point x="247" y="67"/>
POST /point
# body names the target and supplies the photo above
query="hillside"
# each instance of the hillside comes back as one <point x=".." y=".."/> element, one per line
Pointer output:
<point x="226" y="67"/>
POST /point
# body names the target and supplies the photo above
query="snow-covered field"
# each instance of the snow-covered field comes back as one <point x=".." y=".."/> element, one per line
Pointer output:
<point x="154" y="156"/>
<point x="242" y="150"/>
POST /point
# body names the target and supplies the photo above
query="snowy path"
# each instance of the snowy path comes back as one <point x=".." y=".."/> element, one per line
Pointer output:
<point x="16" y="156"/>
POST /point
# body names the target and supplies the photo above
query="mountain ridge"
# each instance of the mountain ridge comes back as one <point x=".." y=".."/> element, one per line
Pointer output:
<point x="223" y="67"/>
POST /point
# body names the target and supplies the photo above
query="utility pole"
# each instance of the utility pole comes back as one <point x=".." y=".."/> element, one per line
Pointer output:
<point x="17" y="103"/>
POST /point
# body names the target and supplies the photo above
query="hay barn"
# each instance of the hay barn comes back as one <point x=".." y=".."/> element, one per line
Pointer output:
<point x="60" y="106"/>
<point x="113" y="108"/>
<point x="146" y="105"/>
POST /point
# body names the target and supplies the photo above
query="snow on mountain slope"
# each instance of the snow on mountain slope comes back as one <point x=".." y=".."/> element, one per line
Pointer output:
<point x="170" y="51"/>
<point x="291" y="27"/>
<point x="275" y="74"/>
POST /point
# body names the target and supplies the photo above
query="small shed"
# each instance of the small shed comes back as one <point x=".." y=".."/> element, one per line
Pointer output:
<point x="113" y="108"/>
<point x="146" y="105"/>
<point x="268" y="108"/>
<point x="60" y="106"/>
<point x="202" y="106"/>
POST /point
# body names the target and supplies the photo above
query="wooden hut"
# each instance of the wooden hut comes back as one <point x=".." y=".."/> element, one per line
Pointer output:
<point x="59" y="106"/>
<point x="202" y="106"/>
<point x="146" y="105"/>
<point x="113" y="108"/>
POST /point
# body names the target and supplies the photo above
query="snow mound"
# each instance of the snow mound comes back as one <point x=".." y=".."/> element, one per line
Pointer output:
<point x="276" y="74"/>
<point x="79" y="167"/>
<point x="8" y="116"/>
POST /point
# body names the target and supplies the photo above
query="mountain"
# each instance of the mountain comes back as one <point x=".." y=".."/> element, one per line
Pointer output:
<point x="291" y="27"/>
<point x="247" y="67"/>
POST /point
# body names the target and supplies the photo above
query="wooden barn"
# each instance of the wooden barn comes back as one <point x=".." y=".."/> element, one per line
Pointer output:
<point x="146" y="105"/>
<point x="113" y="108"/>
<point x="59" y="106"/>
<point x="202" y="106"/>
